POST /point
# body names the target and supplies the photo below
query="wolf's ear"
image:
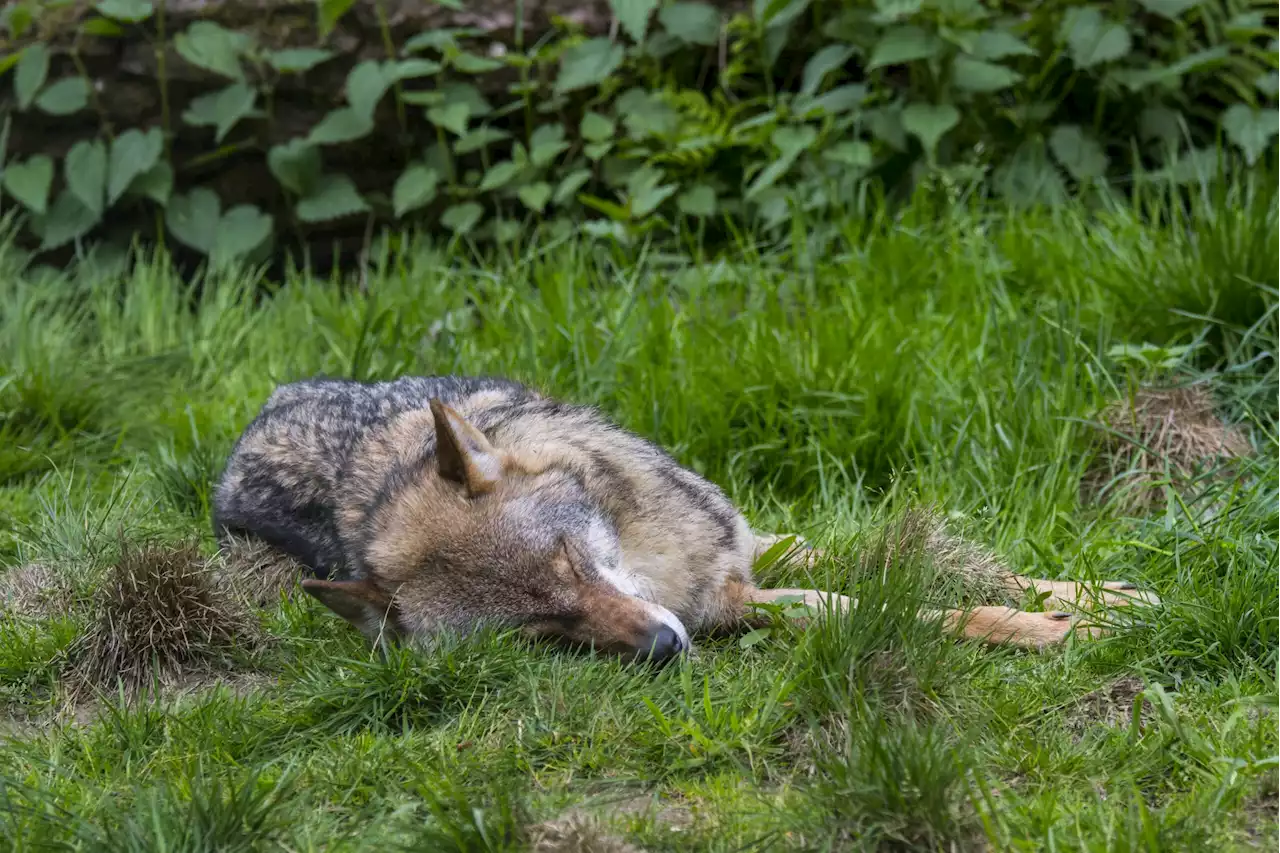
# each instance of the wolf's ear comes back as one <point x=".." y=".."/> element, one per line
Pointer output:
<point x="359" y="602"/>
<point x="463" y="453"/>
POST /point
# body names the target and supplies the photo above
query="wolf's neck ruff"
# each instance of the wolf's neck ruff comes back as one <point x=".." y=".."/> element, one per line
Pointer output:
<point x="433" y="503"/>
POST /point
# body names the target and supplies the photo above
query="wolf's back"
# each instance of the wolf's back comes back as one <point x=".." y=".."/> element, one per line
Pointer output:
<point x="288" y="470"/>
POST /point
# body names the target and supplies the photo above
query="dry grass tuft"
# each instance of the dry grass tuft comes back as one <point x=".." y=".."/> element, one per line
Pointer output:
<point x="257" y="573"/>
<point x="576" y="833"/>
<point x="158" y="615"/>
<point x="35" y="591"/>
<point x="923" y="532"/>
<point x="1161" y="435"/>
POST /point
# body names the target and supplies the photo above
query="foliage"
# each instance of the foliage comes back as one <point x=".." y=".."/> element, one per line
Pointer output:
<point x="684" y="114"/>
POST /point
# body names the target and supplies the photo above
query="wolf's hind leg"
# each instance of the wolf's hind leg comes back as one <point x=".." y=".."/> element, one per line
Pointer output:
<point x="1062" y="595"/>
<point x="1076" y="596"/>
<point x="994" y="625"/>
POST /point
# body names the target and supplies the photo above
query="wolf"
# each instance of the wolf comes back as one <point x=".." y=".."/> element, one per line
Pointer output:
<point x="446" y="503"/>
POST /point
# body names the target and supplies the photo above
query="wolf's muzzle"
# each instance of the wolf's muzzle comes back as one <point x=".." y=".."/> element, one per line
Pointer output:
<point x="661" y="646"/>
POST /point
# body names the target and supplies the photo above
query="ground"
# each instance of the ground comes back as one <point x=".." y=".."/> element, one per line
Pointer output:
<point x="973" y="366"/>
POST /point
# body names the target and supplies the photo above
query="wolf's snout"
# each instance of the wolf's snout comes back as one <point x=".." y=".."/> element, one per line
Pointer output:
<point x="661" y="645"/>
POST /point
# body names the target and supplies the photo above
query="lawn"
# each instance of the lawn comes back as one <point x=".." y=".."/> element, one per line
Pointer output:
<point x="942" y="359"/>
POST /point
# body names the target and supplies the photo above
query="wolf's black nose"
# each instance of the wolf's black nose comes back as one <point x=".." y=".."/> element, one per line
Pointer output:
<point x="661" y="646"/>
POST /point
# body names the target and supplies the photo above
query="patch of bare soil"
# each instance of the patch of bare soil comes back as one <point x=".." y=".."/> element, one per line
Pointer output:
<point x="1158" y="436"/>
<point x="1111" y="705"/>
<point x="591" y="827"/>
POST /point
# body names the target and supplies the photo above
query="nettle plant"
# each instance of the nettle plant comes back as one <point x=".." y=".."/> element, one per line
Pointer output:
<point x="682" y="115"/>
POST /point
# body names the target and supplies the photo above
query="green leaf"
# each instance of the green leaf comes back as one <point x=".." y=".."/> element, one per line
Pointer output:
<point x="588" y="64"/>
<point x="414" y="189"/>
<point x="156" y="183"/>
<point x="241" y="229"/>
<point x="855" y="154"/>
<point x="976" y="75"/>
<point x="646" y="196"/>
<point x="102" y="27"/>
<point x="841" y="99"/>
<point x="206" y="45"/>
<point x="296" y="164"/>
<point x="414" y="69"/>
<point x="596" y="150"/>
<point x="570" y="185"/>
<point x="546" y="143"/>
<point x="469" y="63"/>
<point x="756" y="635"/>
<point x="1168" y="8"/>
<point x="341" y="125"/>
<point x="499" y="175"/>
<point x="694" y="23"/>
<point x="1092" y="40"/>
<point x="31" y="72"/>
<point x="461" y="218"/>
<point x="1028" y="178"/>
<point x="535" y="196"/>
<point x="367" y="82"/>
<point x="1250" y="129"/>
<point x="297" y="60"/>
<point x="67" y="220"/>
<point x="128" y="11"/>
<point x="1079" y="153"/>
<point x="452" y="117"/>
<point x="132" y="153"/>
<point x="85" y="171"/>
<point x="597" y="128"/>
<point x="222" y="109"/>
<point x="633" y="16"/>
<point x="830" y="58"/>
<point x="29" y="182"/>
<point x="997" y="44"/>
<point x="793" y="141"/>
<point x="66" y="96"/>
<point x="903" y="44"/>
<point x="699" y="200"/>
<point x="776" y="14"/>
<point x="479" y="138"/>
<point x="329" y="12"/>
<point x="929" y="123"/>
<point x="193" y="219"/>
<point x="333" y="197"/>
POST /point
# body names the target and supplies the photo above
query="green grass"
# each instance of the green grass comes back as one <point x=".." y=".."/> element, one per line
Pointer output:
<point x="942" y="356"/>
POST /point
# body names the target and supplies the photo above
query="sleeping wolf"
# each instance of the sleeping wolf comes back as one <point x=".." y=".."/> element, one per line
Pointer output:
<point x="450" y="502"/>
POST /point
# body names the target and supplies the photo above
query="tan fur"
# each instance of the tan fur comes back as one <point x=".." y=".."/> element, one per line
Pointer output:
<point x="454" y="503"/>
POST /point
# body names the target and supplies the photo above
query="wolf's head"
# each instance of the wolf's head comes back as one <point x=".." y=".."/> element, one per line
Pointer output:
<point x="503" y="537"/>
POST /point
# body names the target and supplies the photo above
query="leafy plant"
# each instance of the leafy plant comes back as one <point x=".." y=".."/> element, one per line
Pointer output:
<point x="682" y="112"/>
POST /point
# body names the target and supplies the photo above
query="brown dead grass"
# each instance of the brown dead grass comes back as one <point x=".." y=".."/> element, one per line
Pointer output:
<point x="256" y="573"/>
<point x="157" y="617"/>
<point x="1161" y="435"/>
<point x="35" y="591"/>
<point x="577" y="832"/>
<point x="923" y="532"/>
